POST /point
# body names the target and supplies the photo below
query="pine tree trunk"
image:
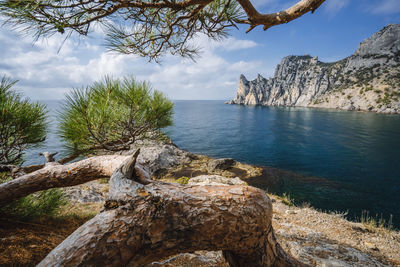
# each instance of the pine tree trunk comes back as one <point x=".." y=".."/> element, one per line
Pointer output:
<point x="144" y="223"/>
<point x="54" y="175"/>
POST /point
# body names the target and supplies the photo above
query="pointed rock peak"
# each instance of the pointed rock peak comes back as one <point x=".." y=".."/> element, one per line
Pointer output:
<point x="259" y="77"/>
<point x="386" y="41"/>
<point x="242" y="78"/>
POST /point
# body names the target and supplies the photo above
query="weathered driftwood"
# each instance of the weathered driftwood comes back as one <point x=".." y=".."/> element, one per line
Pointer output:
<point x="144" y="223"/>
<point x="56" y="175"/>
<point x="15" y="170"/>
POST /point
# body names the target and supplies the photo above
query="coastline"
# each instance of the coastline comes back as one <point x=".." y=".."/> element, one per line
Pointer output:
<point x="384" y="112"/>
<point x="312" y="236"/>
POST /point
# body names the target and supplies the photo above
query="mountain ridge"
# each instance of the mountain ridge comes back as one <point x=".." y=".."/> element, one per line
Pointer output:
<point x="367" y="80"/>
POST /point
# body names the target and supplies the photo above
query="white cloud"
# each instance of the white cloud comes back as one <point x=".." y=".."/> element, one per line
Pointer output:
<point x="47" y="73"/>
<point x="384" y="7"/>
<point x="332" y="7"/>
<point x="232" y="44"/>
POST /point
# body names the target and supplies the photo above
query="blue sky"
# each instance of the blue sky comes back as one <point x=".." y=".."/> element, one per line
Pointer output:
<point x="331" y="33"/>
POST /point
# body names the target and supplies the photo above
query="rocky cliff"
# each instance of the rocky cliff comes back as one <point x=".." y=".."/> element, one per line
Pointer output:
<point x="367" y="80"/>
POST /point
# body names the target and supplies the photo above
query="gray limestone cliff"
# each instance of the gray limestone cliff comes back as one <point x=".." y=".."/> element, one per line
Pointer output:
<point x="367" y="80"/>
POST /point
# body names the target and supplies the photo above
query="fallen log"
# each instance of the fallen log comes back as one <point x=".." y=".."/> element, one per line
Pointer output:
<point x="54" y="175"/>
<point x="144" y="223"/>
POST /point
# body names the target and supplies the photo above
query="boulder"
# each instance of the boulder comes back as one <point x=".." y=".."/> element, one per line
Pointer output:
<point x="220" y="164"/>
<point x="158" y="157"/>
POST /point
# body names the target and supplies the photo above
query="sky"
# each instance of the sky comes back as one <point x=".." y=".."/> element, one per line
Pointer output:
<point x="50" y="68"/>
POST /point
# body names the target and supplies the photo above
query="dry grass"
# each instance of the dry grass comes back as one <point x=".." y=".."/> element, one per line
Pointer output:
<point x="376" y="223"/>
<point x="307" y="232"/>
<point x="27" y="243"/>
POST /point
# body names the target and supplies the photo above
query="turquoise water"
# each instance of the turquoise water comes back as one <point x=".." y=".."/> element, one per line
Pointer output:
<point x="335" y="160"/>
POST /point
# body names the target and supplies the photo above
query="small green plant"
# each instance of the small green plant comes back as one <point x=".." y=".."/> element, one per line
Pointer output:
<point x="376" y="223"/>
<point x="104" y="180"/>
<point x="183" y="180"/>
<point x="43" y="204"/>
<point x="286" y="199"/>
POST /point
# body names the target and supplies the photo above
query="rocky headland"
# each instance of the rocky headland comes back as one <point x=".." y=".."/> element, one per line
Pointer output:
<point x="313" y="237"/>
<point x="368" y="80"/>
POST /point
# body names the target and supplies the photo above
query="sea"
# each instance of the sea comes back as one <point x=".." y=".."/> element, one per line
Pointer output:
<point x="339" y="161"/>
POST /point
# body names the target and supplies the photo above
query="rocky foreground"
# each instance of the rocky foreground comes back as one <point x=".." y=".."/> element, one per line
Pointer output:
<point x="313" y="237"/>
<point x="368" y="80"/>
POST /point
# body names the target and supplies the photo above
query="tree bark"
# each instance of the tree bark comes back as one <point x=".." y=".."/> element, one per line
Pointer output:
<point x="56" y="175"/>
<point x="144" y="223"/>
<point x="268" y="20"/>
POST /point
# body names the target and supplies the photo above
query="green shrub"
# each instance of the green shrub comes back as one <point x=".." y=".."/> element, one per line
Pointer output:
<point x="22" y="123"/>
<point x="112" y="114"/>
<point x="43" y="204"/>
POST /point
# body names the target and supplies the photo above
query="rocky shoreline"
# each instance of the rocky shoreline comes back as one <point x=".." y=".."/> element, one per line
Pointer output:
<point x="368" y="80"/>
<point x="313" y="237"/>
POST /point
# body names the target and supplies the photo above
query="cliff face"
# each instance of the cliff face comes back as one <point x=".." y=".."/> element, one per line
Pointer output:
<point x="367" y="80"/>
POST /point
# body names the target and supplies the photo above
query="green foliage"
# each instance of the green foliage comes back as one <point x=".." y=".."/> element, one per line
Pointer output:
<point x="318" y="101"/>
<point x="386" y="100"/>
<point x="112" y="114"/>
<point x="22" y="123"/>
<point x="4" y="177"/>
<point x="183" y="180"/>
<point x="43" y="204"/>
<point x="148" y="28"/>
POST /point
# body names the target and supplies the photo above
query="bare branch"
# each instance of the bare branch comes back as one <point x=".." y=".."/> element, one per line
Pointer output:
<point x="149" y="28"/>
<point x="285" y="16"/>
